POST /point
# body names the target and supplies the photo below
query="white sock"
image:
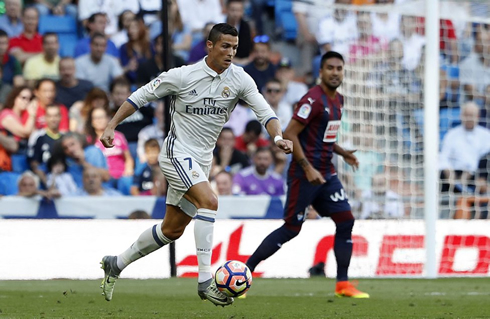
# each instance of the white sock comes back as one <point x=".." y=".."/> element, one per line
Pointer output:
<point x="203" y="235"/>
<point x="150" y="240"/>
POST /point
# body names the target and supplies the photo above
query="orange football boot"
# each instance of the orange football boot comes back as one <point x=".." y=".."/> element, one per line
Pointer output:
<point x="347" y="289"/>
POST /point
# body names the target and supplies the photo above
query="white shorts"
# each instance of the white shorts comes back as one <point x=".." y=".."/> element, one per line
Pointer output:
<point x="182" y="173"/>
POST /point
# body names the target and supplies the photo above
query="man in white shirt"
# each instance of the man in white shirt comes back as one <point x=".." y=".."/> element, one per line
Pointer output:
<point x="203" y="96"/>
<point x="462" y="147"/>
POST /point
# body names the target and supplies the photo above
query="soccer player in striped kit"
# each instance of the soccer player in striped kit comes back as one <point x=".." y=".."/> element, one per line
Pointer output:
<point x="312" y="179"/>
<point x="203" y="96"/>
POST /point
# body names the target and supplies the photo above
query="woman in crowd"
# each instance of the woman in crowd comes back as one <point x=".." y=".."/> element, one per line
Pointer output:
<point x="137" y="50"/>
<point x="121" y="36"/>
<point x="96" y="98"/>
<point x="19" y="100"/>
<point x="118" y="157"/>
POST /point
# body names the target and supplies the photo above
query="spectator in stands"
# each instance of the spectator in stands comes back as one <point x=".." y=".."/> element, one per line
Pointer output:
<point x="475" y="69"/>
<point x="97" y="66"/>
<point x="462" y="148"/>
<point x="58" y="177"/>
<point x="19" y="101"/>
<point x="261" y="68"/>
<point x="137" y="50"/>
<point x="241" y="115"/>
<point x="367" y="46"/>
<point x="119" y="159"/>
<point x="280" y="161"/>
<point x="412" y="41"/>
<point x="181" y="34"/>
<point x="338" y="31"/>
<point x="95" y="98"/>
<point x="144" y="179"/>
<point x="8" y="146"/>
<point x="41" y="148"/>
<point x="293" y="90"/>
<point x="5" y="89"/>
<point x="96" y="25"/>
<point x="79" y="158"/>
<point x="69" y="89"/>
<point x="273" y="94"/>
<point x="152" y="131"/>
<point x="226" y="155"/>
<point x="196" y="13"/>
<point x="139" y="214"/>
<point x="11" y="68"/>
<point x="199" y="50"/>
<point x="123" y="21"/>
<point x="131" y="126"/>
<point x="258" y="179"/>
<point x="92" y="185"/>
<point x="386" y="26"/>
<point x="57" y="7"/>
<point x="223" y="183"/>
<point x="112" y="9"/>
<point x="308" y="15"/>
<point x="11" y="21"/>
<point x="45" y="92"/>
<point x="44" y="65"/>
<point x="28" y="185"/>
<point x="150" y="69"/>
<point x="29" y="42"/>
<point x="235" y="10"/>
<point x="380" y="201"/>
<point x="251" y="139"/>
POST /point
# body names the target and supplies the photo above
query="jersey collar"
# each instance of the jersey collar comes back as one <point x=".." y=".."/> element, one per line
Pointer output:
<point x="211" y="72"/>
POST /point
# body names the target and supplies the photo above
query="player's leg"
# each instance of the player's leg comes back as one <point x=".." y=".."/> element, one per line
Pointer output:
<point x="294" y="216"/>
<point x="333" y="202"/>
<point x="150" y="240"/>
<point x="205" y="200"/>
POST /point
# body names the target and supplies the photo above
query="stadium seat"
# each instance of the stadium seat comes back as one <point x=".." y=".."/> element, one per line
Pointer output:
<point x="8" y="183"/>
<point x="285" y="19"/>
<point x="19" y="163"/>
<point x="65" y="27"/>
<point x="449" y="118"/>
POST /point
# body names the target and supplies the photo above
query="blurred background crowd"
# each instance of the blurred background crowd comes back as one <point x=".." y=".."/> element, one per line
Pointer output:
<point x="68" y="65"/>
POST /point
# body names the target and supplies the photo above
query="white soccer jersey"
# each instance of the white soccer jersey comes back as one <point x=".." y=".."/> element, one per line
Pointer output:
<point x="201" y="103"/>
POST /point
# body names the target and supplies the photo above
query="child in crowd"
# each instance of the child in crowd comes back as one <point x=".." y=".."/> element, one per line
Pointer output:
<point x="58" y="177"/>
<point x="149" y="180"/>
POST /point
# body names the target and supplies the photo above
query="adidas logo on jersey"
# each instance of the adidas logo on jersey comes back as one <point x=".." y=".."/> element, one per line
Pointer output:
<point x="193" y="93"/>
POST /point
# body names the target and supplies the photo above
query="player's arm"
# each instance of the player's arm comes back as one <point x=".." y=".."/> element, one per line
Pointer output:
<point x="123" y="112"/>
<point x="274" y="129"/>
<point x="292" y="133"/>
<point x="348" y="156"/>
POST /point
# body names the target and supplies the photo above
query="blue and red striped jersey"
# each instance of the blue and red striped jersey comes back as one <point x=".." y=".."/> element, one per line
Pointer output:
<point x="321" y="116"/>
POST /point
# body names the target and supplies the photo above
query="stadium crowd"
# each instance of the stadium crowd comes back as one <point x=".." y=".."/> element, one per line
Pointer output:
<point x="59" y="89"/>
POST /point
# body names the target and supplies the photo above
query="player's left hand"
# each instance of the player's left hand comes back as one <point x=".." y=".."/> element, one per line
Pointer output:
<point x="351" y="159"/>
<point x="285" y="145"/>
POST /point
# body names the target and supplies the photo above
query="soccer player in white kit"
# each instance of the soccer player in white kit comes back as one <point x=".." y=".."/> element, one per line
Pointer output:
<point x="202" y="97"/>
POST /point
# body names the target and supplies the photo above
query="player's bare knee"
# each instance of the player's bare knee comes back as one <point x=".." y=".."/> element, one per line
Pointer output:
<point x="173" y="233"/>
<point x="209" y="202"/>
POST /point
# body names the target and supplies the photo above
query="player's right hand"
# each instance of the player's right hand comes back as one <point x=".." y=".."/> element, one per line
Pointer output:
<point x="314" y="176"/>
<point x="107" y="138"/>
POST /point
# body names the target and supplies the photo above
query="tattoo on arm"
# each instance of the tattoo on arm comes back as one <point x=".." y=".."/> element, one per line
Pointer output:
<point x="303" y="163"/>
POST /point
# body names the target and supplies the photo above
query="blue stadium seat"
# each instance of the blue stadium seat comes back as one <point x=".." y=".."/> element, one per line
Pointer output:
<point x="19" y="163"/>
<point x="449" y="118"/>
<point x="285" y="19"/>
<point x="8" y="183"/>
<point x="124" y="185"/>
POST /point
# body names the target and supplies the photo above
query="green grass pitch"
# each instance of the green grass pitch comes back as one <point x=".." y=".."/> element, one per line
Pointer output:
<point x="268" y="298"/>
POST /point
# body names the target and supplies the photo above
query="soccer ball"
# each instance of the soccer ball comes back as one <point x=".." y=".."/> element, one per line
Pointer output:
<point x="233" y="278"/>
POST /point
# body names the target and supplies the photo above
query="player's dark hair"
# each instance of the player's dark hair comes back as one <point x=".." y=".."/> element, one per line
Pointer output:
<point x="3" y="33"/>
<point x="97" y="35"/>
<point x="49" y="34"/>
<point x="152" y="143"/>
<point x="41" y="81"/>
<point x="253" y="126"/>
<point x="330" y="55"/>
<point x="219" y="29"/>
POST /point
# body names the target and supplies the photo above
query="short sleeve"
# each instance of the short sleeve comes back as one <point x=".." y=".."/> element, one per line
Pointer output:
<point x="306" y="110"/>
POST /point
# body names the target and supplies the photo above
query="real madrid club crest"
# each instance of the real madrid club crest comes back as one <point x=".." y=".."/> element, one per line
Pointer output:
<point x="195" y="174"/>
<point x="226" y="92"/>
